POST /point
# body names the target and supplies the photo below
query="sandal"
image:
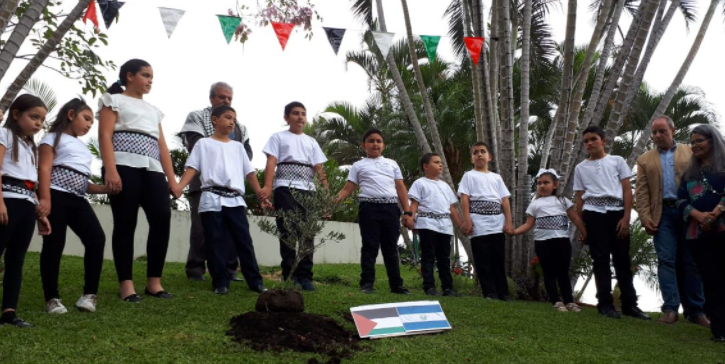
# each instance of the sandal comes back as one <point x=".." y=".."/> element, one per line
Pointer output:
<point x="160" y="294"/>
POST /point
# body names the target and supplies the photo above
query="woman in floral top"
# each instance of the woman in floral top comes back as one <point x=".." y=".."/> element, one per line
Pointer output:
<point x="702" y="202"/>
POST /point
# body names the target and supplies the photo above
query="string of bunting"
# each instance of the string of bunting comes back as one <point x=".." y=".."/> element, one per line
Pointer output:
<point x="171" y="17"/>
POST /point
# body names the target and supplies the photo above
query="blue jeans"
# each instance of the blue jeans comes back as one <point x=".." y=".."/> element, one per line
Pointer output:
<point x="668" y="239"/>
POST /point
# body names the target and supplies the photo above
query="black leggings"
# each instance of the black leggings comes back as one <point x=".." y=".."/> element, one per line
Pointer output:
<point x="555" y="258"/>
<point x="74" y="212"/>
<point x="150" y="191"/>
<point x="14" y="241"/>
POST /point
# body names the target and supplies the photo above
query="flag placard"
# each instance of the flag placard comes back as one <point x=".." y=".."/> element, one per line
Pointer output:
<point x="398" y="319"/>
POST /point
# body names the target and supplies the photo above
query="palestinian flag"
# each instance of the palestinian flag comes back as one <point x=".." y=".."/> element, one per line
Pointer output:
<point x="395" y="319"/>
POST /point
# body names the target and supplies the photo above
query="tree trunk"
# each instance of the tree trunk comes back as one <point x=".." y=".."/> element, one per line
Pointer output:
<point x="493" y="82"/>
<point x="667" y="98"/>
<point x="21" y="31"/>
<point x="7" y="11"/>
<point x="48" y="47"/>
<point x="478" y="72"/>
<point x="524" y="188"/>
<point x="507" y="98"/>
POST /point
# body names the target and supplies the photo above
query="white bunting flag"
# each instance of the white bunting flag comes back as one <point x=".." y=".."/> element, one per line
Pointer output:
<point x="171" y="18"/>
<point x="384" y="41"/>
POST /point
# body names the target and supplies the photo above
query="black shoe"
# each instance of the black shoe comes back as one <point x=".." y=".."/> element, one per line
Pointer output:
<point x="505" y="298"/>
<point x="400" y="290"/>
<point x="718" y="339"/>
<point x="259" y="289"/>
<point x="609" y="312"/>
<point x="367" y="289"/>
<point x="200" y="278"/>
<point x="491" y="297"/>
<point x="432" y="292"/>
<point x="16" y="321"/>
<point x="450" y="292"/>
<point x="237" y="278"/>
<point x="306" y="284"/>
<point x="636" y="313"/>
<point x="133" y="298"/>
<point x="160" y="294"/>
<point x="221" y="290"/>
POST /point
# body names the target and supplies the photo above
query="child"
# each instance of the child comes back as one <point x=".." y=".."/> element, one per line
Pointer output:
<point x="17" y="199"/>
<point x="138" y="172"/>
<point x="486" y="216"/>
<point x="223" y="166"/>
<point x="293" y="158"/>
<point x="65" y="166"/>
<point x="381" y="189"/>
<point x="433" y="201"/>
<point x="548" y="214"/>
<point x="604" y="201"/>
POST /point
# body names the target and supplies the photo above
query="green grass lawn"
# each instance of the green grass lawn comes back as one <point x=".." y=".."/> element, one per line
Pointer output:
<point x="191" y="328"/>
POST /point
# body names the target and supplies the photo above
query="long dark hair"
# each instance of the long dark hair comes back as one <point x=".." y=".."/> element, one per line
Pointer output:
<point x="555" y="191"/>
<point x="62" y="121"/>
<point x="717" y="153"/>
<point x="22" y="104"/>
<point x="131" y="66"/>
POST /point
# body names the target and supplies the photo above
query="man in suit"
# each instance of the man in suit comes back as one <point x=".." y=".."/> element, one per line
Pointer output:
<point x="658" y="178"/>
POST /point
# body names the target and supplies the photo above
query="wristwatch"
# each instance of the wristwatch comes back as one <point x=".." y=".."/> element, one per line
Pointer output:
<point x="721" y="207"/>
<point x="408" y="213"/>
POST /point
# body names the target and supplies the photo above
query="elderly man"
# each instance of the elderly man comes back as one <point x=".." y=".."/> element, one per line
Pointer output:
<point x="658" y="177"/>
<point x="198" y="125"/>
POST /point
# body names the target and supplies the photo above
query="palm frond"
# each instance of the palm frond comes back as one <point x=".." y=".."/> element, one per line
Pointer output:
<point x="688" y="8"/>
<point x="44" y="91"/>
<point x="363" y="10"/>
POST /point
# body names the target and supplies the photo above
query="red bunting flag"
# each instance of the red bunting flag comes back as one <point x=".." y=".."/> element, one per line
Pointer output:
<point x="283" y="31"/>
<point x="91" y="14"/>
<point x="474" y="45"/>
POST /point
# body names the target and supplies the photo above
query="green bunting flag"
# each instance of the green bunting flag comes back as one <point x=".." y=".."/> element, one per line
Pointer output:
<point x="431" y="45"/>
<point x="229" y="25"/>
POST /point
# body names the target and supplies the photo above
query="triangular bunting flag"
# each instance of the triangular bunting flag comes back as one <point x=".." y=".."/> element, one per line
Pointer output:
<point x="109" y="10"/>
<point x="334" y="35"/>
<point x="171" y="18"/>
<point x="474" y="45"/>
<point x="431" y="45"/>
<point x="91" y="14"/>
<point x="283" y="31"/>
<point x="384" y="41"/>
<point x="229" y="25"/>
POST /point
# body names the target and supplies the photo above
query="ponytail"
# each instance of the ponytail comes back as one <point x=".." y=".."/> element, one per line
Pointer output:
<point x="131" y="66"/>
<point x="115" y="88"/>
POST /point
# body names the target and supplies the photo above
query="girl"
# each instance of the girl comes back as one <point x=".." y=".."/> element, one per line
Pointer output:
<point x="701" y="201"/>
<point x="137" y="171"/>
<point x="17" y="199"/>
<point x="293" y="158"/>
<point x="434" y="200"/>
<point x="548" y="216"/>
<point x="65" y="166"/>
<point x="486" y="216"/>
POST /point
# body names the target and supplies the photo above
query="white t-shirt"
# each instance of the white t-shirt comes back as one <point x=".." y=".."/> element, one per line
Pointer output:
<point x="433" y="196"/>
<point x="551" y="217"/>
<point x="480" y="186"/>
<point x="601" y="178"/>
<point x="376" y="177"/>
<point x="221" y="165"/>
<point x="289" y="147"/>
<point x="134" y="115"/>
<point x="24" y="169"/>
<point x="71" y="152"/>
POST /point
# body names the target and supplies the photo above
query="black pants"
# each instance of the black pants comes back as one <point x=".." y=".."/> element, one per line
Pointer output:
<point x="380" y="229"/>
<point x="283" y="200"/>
<point x="200" y="253"/>
<point x="436" y="248"/>
<point x="603" y="242"/>
<point x="555" y="258"/>
<point x="150" y="191"/>
<point x="230" y="224"/>
<point x="69" y="210"/>
<point x="489" y="258"/>
<point x="14" y="241"/>
<point x="709" y="252"/>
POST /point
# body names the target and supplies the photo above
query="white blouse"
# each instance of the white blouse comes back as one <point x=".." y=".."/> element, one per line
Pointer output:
<point x="24" y="169"/>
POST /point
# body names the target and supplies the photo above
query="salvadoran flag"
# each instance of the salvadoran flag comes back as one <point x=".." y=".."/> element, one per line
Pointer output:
<point x="395" y="319"/>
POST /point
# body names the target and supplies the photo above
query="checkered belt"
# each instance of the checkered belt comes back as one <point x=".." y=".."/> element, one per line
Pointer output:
<point x="137" y="143"/>
<point x="560" y="222"/>
<point x="69" y="179"/>
<point x="222" y="191"/>
<point x="15" y="185"/>
<point x="379" y="199"/>
<point x="604" y="201"/>
<point x="291" y="171"/>
<point x="433" y="215"/>
<point x="482" y="207"/>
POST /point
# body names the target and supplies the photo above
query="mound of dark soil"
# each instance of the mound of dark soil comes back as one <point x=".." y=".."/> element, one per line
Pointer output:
<point x="280" y="300"/>
<point x="297" y="331"/>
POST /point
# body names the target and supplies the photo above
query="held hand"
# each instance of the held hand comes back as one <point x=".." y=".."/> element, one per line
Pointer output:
<point x="3" y="213"/>
<point x="508" y="228"/>
<point x="44" y="226"/>
<point x="264" y="193"/>
<point x="583" y="237"/>
<point x="113" y="182"/>
<point x="265" y="204"/>
<point x="623" y="228"/>
<point x="408" y="222"/>
<point x="43" y="208"/>
<point x="177" y="192"/>
<point x="650" y="227"/>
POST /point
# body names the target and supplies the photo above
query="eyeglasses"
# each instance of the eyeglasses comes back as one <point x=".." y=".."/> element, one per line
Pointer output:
<point x="698" y="141"/>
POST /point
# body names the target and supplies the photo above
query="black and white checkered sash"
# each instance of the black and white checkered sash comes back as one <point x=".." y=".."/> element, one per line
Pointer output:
<point x="378" y="200"/>
<point x="604" y="201"/>
<point x="70" y="180"/>
<point x="293" y="171"/>
<point x="137" y="143"/>
<point x="433" y="215"/>
<point x="559" y="222"/>
<point x="483" y="207"/>
<point x="10" y="184"/>
<point x="222" y="191"/>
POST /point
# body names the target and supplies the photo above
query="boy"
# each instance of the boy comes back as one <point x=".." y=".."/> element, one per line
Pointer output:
<point x="486" y="216"/>
<point x="223" y="166"/>
<point x="604" y="202"/>
<point x="381" y="189"/>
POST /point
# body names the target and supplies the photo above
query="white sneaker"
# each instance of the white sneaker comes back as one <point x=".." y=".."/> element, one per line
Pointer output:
<point x="87" y="303"/>
<point x="55" y="307"/>
<point x="559" y="306"/>
<point x="573" y="307"/>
